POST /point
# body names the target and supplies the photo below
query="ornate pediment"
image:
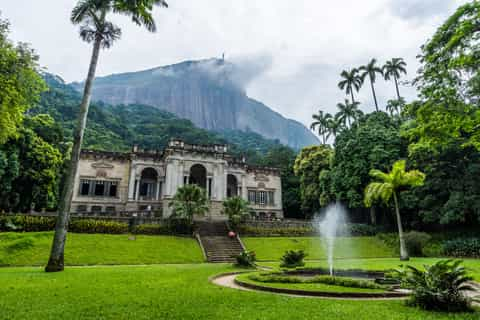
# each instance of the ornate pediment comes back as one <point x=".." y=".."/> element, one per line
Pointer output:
<point x="102" y="165"/>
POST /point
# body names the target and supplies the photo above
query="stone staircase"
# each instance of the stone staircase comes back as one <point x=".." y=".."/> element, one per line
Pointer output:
<point x="218" y="247"/>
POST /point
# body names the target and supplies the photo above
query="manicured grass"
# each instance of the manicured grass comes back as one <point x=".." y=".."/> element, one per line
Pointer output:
<point x="384" y="264"/>
<point x="92" y="249"/>
<point x="173" y="292"/>
<point x="307" y="286"/>
<point x="272" y="249"/>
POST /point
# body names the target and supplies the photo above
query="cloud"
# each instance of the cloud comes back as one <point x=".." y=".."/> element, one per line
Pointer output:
<point x="419" y="9"/>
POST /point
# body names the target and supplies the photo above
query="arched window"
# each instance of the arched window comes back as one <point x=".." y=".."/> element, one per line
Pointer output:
<point x="198" y="176"/>
<point x="232" y="186"/>
<point x="148" y="184"/>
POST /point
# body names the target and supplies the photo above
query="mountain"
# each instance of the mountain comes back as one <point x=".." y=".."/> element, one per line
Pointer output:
<point x="119" y="127"/>
<point x="207" y="92"/>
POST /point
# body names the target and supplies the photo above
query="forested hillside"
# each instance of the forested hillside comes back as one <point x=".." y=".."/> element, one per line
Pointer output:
<point x="118" y="128"/>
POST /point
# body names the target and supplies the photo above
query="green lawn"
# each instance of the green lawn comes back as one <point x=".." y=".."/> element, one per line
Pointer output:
<point x="172" y="292"/>
<point x="93" y="249"/>
<point x="272" y="249"/>
<point x="307" y="286"/>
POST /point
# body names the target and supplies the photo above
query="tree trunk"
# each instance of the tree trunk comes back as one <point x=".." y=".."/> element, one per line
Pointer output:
<point x="373" y="216"/>
<point x="56" y="261"/>
<point x="396" y="86"/>
<point x="353" y="98"/>
<point x="374" y="95"/>
<point x="403" y="249"/>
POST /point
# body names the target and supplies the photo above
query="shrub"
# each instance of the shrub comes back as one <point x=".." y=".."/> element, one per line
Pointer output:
<point x="276" y="277"/>
<point x="236" y="209"/>
<point x="151" y="229"/>
<point x="440" y="287"/>
<point x="27" y="223"/>
<point x="415" y="242"/>
<point x="469" y="247"/>
<point x="361" y="230"/>
<point x="293" y="259"/>
<point x="180" y="226"/>
<point x="276" y="232"/>
<point x="246" y="259"/>
<point x="97" y="226"/>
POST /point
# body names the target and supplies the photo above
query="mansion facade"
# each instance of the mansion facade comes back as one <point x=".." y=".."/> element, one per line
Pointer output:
<point x="109" y="182"/>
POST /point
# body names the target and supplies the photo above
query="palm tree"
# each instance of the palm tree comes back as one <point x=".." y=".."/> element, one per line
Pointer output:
<point x="388" y="188"/>
<point x="371" y="70"/>
<point x="321" y="121"/>
<point x="190" y="200"/>
<point x="351" y="80"/>
<point x="236" y="209"/>
<point x="395" y="106"/>
<point x="394" y="69"/>
<point x="348" y="112"/>
<point x="335" y="126"/>
<point x="91" y="15"/>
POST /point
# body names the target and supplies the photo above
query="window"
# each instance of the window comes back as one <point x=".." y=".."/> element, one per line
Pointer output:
<point x="82" y="208"/>
<point x="110" y="209"/>
<point x="113" y="190"/>
<point x="84" y="187"/>
<point x="99" y="188"/>
<point x="271" y="198"/>
<point x="96" y="208"/>
<point x="251" y="196"/>
<point x="262" y="197"/>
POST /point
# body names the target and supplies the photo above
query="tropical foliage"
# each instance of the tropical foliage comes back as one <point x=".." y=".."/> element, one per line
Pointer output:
<point x="371" y="70"/>
<point x="293" y="259"/>
<point x="20" y="83"/>
<point x="441" y="286"/>
<point x="189" y="201"/>
<point x="236" y="209"/>
<point x="388" y="187"/>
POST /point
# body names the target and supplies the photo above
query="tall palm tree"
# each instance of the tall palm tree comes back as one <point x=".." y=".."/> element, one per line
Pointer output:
<point x="91" y="15"/>
<point x="321" y="121"/>
<point x="348" y="112"/>
<point x="394" y="69"/>
<point x="371" y="69"/>
<point x="351" y="81"/>
<point x="388" y="187"/>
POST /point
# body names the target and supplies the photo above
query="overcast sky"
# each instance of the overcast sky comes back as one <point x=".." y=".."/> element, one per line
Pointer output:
<point x="294" y="49"/>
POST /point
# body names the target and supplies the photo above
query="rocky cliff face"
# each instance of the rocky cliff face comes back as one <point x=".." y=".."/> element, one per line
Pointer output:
<point x="208" y="93"/>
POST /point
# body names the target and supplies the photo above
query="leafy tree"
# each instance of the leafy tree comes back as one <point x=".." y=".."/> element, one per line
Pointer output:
<point x="190" y="200"/>
<point x="321" y="121"/>
<point x="448" y="113"/>
<point x="91" y="15"/>
<point x="348" y="112"/>
<point x="309" y="165"/>
<point x="394" y="69"/>
<point x="388" y="187"/>
<point x="371" y="69"/>
<point x="236" y="209"/>
<point x="30" y="167"/>
<point x="20" y="83"/>
<point x="372" y="142"/>
<point x="351" y="80"/>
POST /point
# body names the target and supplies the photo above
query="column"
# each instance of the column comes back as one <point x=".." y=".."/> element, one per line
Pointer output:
<point x="169" y="175"/>
<point x="137" y="189"/>
<point x="209" y="185"/>
<point x="157" y="195"/>
<point x="244" y="188"/>
<point x="131" y="182"/>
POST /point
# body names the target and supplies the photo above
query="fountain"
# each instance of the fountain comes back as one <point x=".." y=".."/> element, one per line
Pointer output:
<point x="329" y="227"/>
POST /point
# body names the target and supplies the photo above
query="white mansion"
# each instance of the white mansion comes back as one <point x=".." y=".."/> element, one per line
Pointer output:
<point x="108" y="182"/>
